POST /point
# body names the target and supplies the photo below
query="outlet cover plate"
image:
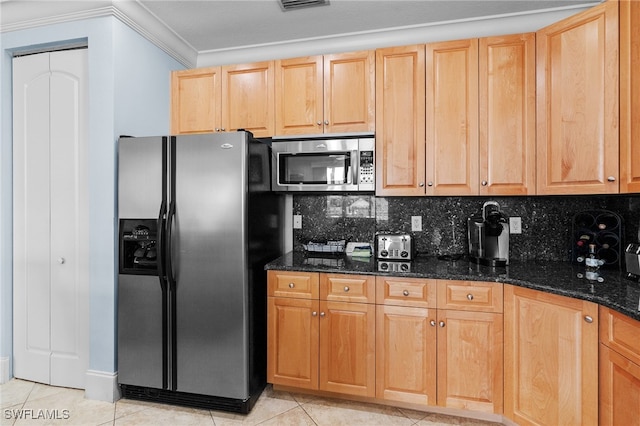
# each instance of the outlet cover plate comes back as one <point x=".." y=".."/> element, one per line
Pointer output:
<point x="416" y="223"/>
<point x="515" y="225"/>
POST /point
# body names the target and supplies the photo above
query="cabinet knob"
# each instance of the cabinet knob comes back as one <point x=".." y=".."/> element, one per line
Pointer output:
<point x="61" y="260"/>
<point x="322" y="314"/>
<point x="405" y="292"/>
<point x="291" y="285"/>
<point x="319" y="123"/>
<point x="432" y="323"/>
<point x="441" y="323"/>
<point x="314" y="314"/>
<point x="421" y="184"/>
<point x="611" y="179"/>
<point x="326" y="122"/>
<point x="217" y="129"/>
<point x="346" y="288"/>
<point x="222" y="129"/>
<point x="470" y="296"/>
<point x="588" y="318"/>
<point x="430" y="184"/>
<point x="485" y="183"/>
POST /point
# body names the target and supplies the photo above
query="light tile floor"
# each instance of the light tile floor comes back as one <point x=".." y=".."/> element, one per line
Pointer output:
<point x="34" y="402"/>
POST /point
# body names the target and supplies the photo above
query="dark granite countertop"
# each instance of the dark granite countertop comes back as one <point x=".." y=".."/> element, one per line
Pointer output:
<point x="563" y="278"/>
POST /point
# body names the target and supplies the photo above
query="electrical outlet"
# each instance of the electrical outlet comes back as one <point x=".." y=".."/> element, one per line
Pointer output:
<point x="416" y="223"/>
<point x="297" y="221"/>
<point x="515" y="225"/>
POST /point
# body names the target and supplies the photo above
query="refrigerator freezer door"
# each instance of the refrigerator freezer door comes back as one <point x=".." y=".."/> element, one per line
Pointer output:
<point x="142" y="348"/>
<point x="140" y="331"/>
<point x="209" y="258"/>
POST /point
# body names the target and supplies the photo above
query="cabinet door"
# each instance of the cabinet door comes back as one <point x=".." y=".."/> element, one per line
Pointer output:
<point x="629" y="96"/>
<point x="470" y="360"/>
<point x="507" y="90"/>
<point x="452" y="117"/>
<point x="292" y="342"/>
<point x="299" y="87"/>
<point x="347" y="348"/>
<point x="349" y="92"/>
<point x="406" y="354"/>
<point x="195" y="101"/>
<point x="400" y="104"/>
<point x="550" y="358"/>
<point x="620" y="333"/>
<point x="248" y="98"/>
<point x="619" y="389"/>
<point x="577" y="103"/>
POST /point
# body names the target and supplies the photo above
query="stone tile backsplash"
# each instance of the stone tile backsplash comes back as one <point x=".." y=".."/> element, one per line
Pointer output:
<point x="546" y="220"/>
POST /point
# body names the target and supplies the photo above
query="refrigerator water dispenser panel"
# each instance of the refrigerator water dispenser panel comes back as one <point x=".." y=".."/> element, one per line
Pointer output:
<point x="138" y="246"/>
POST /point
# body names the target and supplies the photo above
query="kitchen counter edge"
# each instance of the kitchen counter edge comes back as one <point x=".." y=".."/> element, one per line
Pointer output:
<point x="562" y="278"/>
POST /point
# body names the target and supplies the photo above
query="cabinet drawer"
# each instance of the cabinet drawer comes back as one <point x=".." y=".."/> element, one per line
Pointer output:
<point x="470" y="296"/>
<point x="399" y="291"/>
<point x="347" y="288"/>
<point x="620" y="333"/>
<point x="302" y="285"/>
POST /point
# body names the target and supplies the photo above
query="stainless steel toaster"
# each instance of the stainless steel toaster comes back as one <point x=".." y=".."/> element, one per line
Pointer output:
<point x="394" y="246"/>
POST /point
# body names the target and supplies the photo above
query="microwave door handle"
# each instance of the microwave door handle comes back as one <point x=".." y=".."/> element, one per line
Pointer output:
<point x="352" y="175"/>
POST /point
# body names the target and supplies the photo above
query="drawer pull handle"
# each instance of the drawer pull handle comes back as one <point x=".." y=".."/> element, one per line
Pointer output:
<point x="291" y="285"/>
<point x="405" y="292"/>
<point x="441" y="323"/>
<point x="346" y="288"/>
<point x="433" y="323"/>
<point x="470" y="296"/>
<point x="588" y="319"/>
<point x="314" y="314"/>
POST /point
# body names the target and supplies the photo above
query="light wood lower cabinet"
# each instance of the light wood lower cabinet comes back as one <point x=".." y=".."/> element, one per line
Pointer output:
<point x="448" y="343"/>
<point x="619" y="369"/>
<point x="551" y="358"/>
<point x="318" y="344"/>
<point x="470" y="360"/>
<point x="449" y="357"/>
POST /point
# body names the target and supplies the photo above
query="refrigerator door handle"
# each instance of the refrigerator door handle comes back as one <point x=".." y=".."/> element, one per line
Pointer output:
<point x="162" y="244"/>
<point x="169" y="245"/>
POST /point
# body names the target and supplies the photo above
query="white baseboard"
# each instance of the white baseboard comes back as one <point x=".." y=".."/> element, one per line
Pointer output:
<point x="4" y="370"/>
<point x="102" y="386"/>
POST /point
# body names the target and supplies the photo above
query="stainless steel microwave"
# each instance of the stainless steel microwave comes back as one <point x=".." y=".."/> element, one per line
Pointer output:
<point x="340" y="164"/>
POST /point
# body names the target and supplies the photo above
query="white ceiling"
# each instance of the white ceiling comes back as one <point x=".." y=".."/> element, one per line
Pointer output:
<point x="218" y="25"/>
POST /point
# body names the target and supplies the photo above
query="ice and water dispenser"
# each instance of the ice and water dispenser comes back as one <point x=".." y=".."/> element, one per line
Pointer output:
<point x="139" y="246"/>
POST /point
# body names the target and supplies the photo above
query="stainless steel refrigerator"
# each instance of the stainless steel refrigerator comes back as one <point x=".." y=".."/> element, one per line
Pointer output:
<point x="197" y="223"/>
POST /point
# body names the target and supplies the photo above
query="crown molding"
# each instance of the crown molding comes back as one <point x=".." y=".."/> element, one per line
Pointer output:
<point x="400" y="36"/>
<point x="131" y="13"/>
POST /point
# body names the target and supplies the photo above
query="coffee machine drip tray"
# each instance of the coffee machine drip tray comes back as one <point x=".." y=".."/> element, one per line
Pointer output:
<point x="489" y="262"/>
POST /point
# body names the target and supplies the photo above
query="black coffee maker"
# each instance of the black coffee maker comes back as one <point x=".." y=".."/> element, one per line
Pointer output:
<point x="489" y="236"/>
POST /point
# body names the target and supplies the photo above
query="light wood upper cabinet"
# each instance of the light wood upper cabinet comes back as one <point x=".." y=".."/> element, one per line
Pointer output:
<point x="330" y="94"/>
<point x="400" y="131"/>
<point x="507" y="102"/>
<point x="452" y="118"/>
<point x="629" y="96"/>
<point x="577" y="103"/>
<point x="553" y="381"/>
<point x="219" y="99"/>
<point x="195" y="106"/>
<point x="248" y="98"/>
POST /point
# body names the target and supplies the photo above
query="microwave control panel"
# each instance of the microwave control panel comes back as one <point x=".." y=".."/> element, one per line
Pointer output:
<point x="366" y="169"/>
